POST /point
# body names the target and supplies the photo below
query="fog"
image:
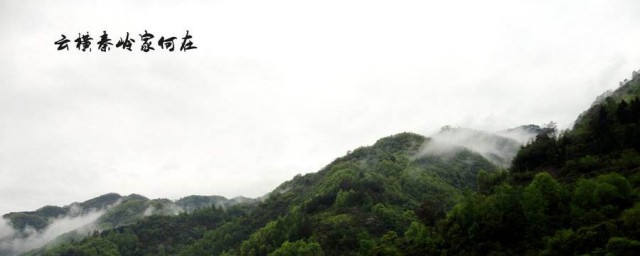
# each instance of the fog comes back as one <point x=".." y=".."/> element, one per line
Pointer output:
<point x="499" y="147"/>
<point x="166" y="209"/>
<point x="18" y="241"/>
<point x="79" y="222"/>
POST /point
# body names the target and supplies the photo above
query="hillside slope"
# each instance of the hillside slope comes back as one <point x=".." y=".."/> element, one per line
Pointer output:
<point x="21" y="231"/>
<point x="362" y="196"/>
<point x="574" y="192"/>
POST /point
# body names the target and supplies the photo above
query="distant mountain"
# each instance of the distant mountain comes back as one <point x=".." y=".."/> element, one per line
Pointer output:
<point x="39" y="219"/>
<point x="22" y="231"/>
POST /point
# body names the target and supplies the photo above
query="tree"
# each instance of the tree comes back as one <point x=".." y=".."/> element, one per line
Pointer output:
<point x="622" y="246"/>
<point x="623" y="113"/>
<point x="298" y="248"/>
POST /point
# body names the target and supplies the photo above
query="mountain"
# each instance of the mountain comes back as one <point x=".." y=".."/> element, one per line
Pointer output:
<point x="604" y="138"/>
<point x="398" y="175"/>
<point x="368" y="192"/>
<point x="573" y="192"/>
<point x="39" y="219"/>
<point x="20" y="231"/>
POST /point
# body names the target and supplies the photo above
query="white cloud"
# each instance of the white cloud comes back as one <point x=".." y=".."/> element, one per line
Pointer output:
<point x="15" y="241"/>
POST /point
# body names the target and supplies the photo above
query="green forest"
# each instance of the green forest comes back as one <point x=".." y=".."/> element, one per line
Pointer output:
<point x="569" y="192"/>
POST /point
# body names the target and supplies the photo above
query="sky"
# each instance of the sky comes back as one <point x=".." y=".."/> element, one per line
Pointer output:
<point x="277" y="88"/>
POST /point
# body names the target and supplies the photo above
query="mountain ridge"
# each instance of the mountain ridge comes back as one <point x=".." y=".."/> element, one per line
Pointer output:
<point x="122" y="211"/>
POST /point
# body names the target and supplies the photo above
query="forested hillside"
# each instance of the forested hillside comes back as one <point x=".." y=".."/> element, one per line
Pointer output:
<point x="572" y="192"/>
<point x="357" y="204"/>
<point x="23" y="231"/>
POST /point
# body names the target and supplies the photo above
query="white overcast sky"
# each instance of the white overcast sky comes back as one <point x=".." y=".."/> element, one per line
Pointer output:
<point x="277" y="88"/>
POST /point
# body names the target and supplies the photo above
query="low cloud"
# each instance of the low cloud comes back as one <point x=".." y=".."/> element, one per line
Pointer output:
<point x="164" y="209"/>
<point x="499" y="148"/>
<point x="14" y="242"/>
<point x="522" y="134"/>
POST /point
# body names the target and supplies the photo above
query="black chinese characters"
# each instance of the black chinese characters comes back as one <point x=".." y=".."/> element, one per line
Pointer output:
<point x="84" y="42"/>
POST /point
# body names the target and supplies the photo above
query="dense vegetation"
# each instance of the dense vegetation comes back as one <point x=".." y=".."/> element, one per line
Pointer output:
<point x="359" y="204"/>
<point x="39" y="219"/>
<point x="606" y="138"/>
<point x="573" y="192"/>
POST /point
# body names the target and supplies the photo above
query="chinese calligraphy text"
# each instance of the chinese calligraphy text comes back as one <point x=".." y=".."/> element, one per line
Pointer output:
<point x="84" y="42"/>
